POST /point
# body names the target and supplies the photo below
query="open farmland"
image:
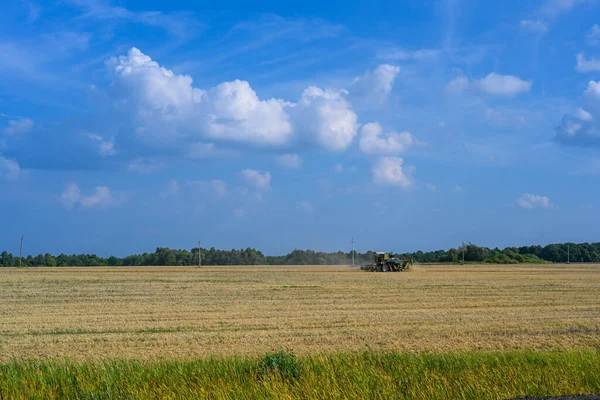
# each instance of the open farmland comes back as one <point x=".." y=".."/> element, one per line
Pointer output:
<point x="184" y="312"/>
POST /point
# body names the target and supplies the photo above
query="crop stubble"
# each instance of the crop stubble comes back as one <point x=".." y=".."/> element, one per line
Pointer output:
<point x="186" y="312"/>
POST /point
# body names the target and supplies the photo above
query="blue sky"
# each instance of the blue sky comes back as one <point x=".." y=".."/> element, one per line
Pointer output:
<point x="407" y="125"/>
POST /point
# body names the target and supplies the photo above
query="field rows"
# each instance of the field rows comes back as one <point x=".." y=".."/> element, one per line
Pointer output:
<point x="181" y="312"/>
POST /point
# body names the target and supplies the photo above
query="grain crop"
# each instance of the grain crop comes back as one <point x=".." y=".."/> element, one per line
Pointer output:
<point x="144" y="313"/>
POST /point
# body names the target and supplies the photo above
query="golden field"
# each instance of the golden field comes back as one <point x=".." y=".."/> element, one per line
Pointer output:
<point x="187" y="312"/>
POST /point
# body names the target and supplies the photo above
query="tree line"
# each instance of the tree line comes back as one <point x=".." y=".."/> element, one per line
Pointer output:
<point x="552" y="253"/>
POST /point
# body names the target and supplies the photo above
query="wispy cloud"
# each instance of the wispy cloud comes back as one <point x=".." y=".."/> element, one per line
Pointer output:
<point x="18" y="126"/>
<point x="100" y="197"/>
<point x="530" y="201"/>
<point x="178" y="24"/>
<point x="536" y="26"/>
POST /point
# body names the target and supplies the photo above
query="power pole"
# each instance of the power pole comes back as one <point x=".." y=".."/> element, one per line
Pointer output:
<point x="199" y="255"/>
<point x="21" y="252"/>
<point x="352" y="251"/>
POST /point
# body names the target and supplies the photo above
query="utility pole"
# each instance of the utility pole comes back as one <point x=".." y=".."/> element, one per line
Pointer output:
<point x="352" y="251"/>
<point x="199" y="255"/>
<point x="21" y="252"/>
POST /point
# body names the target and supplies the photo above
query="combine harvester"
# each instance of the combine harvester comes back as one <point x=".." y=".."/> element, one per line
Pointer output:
<point x="383" y="262"/>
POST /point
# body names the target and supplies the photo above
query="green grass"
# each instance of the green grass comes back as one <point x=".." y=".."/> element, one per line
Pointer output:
<point x="375" y="375"/>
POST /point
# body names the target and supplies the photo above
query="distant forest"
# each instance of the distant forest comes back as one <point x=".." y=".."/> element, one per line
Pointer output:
<point x="553" y="253"/>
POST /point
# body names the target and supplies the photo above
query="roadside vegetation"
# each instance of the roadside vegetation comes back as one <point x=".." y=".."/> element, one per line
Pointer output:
<point x="389" y="375"/>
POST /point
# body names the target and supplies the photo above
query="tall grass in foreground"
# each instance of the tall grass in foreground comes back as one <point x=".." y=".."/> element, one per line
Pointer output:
<point x="475" y="375"/>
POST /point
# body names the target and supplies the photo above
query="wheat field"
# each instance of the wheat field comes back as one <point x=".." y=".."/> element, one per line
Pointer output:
<point x="184" y="312"/>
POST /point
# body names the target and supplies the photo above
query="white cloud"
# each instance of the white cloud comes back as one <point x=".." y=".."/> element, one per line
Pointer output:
<point x="216" y="186"/>
<point x="9" y="169"/>
<point x="582" y="128"/>
<point x="391" y="171"/>
<point x="553" y="8"/>
<point x="256" y="179"/>
<point x="536" y="26"/>
<point x="172" y="189"/>
<point x="238" y="114"/>
<point x="328" y="117"/>
<point x="166" y="104"/>
<point x="18" y="126"/>
<point x="70" y="197"/>
<point x="219" y="187"/>
<point x="593" y="36"/>
<point x="339" y="168"/>
<point x="432" y="187"/>
<point x="202" y="150"/>
<point x="378" y="83"/>
<point x="101" y="197"/>
<point x="374" y="141"/>
<point x="106" y="148"/>
<point x="530" y="201"/>
<point x="165" y="109"/>
<point x="289" y="160"/>
<point x="457" y="85"/>
<point x="306" y="207"/>
<point x="587" y="65"/>
<point x="583" y="115"/>
<point x="503" y="85"/>
<point x="493" y="85"/>
<point x="177" y="24"/>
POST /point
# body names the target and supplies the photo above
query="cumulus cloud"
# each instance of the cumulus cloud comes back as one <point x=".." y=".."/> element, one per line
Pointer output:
<point x="374" y="141"/>
<point x="378" y="83"/>
<point x="503" y="85"/>
<point x="106" y="148"/>
<point x="530" y="201"/>
<point x="593" y="36"/>
<point x="305" y="207"/>
<point x="165" y="108"/>
<point x="165" y="103"/>
<point x="493" y="85"/>
<point x="327" y="117"/>
<point x="100" y="197"/>
<point x="582" y="127"/>
<point x="257" y="180"/>
<point x="289" y="161"/>
<point x="18" y="126"/>
<point x="391" y="171"/>
<point x="236" y="113"/>
<point x="536" y="26"/>
<point x="587" y="64"/>
<point x="9" y="169"/>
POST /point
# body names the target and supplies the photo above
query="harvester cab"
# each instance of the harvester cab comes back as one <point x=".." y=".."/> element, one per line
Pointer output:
<point x="384" y="262"/>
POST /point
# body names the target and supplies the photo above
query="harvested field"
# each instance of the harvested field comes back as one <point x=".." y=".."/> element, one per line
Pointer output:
<point x="184" y="312"/>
